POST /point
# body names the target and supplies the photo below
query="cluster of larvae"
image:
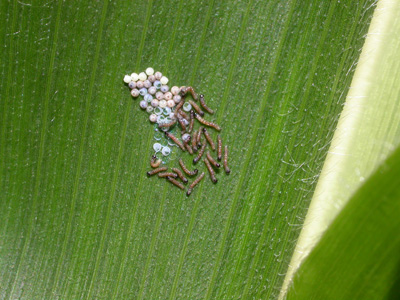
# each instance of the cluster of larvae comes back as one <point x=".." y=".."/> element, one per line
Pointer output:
<point x="195" y="142"/>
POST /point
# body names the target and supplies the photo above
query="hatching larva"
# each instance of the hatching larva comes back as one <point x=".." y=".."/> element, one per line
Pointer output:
<point x="186" y="170"/>
<point x="212" y="160"/>
<point x="207" y="123"/>
<point x="209" y="139"/>
<point x="196" y="107"/>
<point x="154" y="162"/>
<point x="194" y="183"/>
<point x="201" y="152"/>
<point x="210" y="170"/>
<point x="155" y="171"/>
<point x="167" y="174"/>
<point x="186" y="89"/>
<point x="191" y="124"/>
<point x="175" y="139"/>
<point x="180" y="174"/>
<point x="227" y="170"/>
<point x="219" y="157"/>
<point x="176" y="183"/>
<point x="182" y="122"/>
<point x="173" y="121"/>
<point x="204" y="105"/>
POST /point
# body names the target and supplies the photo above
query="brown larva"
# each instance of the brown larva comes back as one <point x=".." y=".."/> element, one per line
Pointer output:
<point x="199" y="136"/>
<point x="186" y="89"/>
<point x="191" y="124"/>
<point x="186" y="170"/>
<point x="194" y="183"/>
<point x="154" y="162"/>
<point x="178" y="107"/>
<point x="209" y="139"/>
<point x="210" y="170"/>
<point x="173" y="121"/>
<point x="183" y="114"/>
<point x="182" y="122"/>
<point x="204" y="105"/>
<point x="201" y="152"/>
<point x="219" y="157"/>
<point x="212" y="160"/>
<point x="175" y="139"/>
<point x="207" y="123"/>
<point x="167" y="174"/>
<point x="194" y="142"/>
<point x="180" y="174"/>
<point x="196" y="108"/>
<point x="176" y="183"/>
<point x="155" y="171"/>
<point x="188" y="147"/>
<point x="227" y="170"/>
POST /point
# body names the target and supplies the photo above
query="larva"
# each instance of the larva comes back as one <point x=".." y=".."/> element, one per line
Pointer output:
<point x="207" y="123"/>
<point x="191" y="124"/>
<point x="209" y="139"/>
<point x="180" y="174"/>
<point x="219" y="157"/>
<point x="167" y="174"/>
<point x="196" y="108"/>
<point x="204" y="105"/>
<point x="212" y="160"/>
<point x="201" y="152"/>
<point x="227" y="170"/>
<point x="168" y="124"/>
<point x="182" y="122"/>
<point x="176" y="183"/>
<point x="186" y="170"/>
<point x="154" y="162"/>
<point x="199" y="136"/>
<point x="186" y="89"/>
<point x="188" y="148"/>
<point x="194" y="183"/>
<point x="178" y="107"/>
<point x="210" y="170"/>
<point x="194" y="142"/>
<point x="183" y="114"/>
<point x="175" y="139"/>
<point x="155" y="171"/>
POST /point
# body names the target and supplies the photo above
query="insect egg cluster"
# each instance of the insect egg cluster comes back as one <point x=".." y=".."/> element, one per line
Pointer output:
<point x="175" y="119"/>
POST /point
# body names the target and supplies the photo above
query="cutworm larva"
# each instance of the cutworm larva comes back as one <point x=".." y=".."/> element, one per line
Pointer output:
<point x="200" y="154"/>
<point x="212" y="160"/>
<point x="207" y="123"/>
<point x="209" y="139"/>
<point x="227" y="170"/>
<point x="186" y="170"/>
<point x="167" y="174"/>
<point x="155" y="163"/>
<point x="155" y="171"/>
<point x="204" y="105"/>
<point x="176" y="183"/>
<point x="219" y="157"/>
<point x="194" y="183"/>
<point x="180" y="174"/>
<point x="210" y="170"/>
<point x="196" y="107"/>
<point x="175" y="139"/>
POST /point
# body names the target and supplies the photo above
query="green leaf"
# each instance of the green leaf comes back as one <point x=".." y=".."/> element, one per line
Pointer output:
<point x="358" y="256"/>
<point x="78" y="216"/>
<point x="368" y="130"/>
